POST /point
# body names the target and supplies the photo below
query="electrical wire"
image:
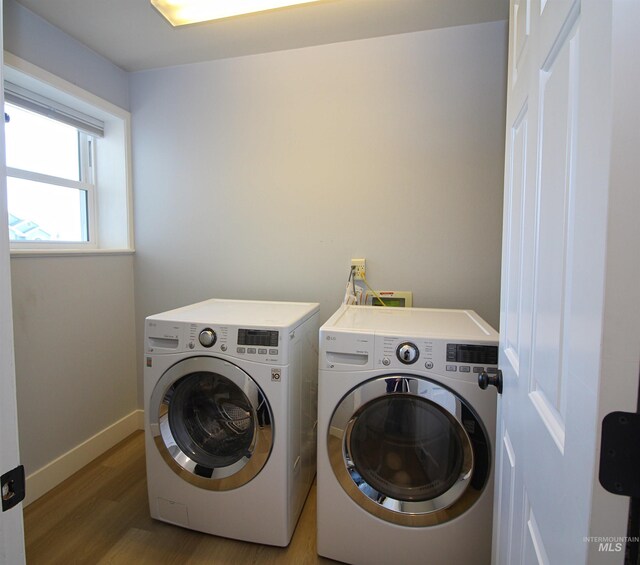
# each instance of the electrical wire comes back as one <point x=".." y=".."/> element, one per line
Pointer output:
<point x="352" y="278"/>
<point x="350" y="296"/>
<point x="364" y="280"/>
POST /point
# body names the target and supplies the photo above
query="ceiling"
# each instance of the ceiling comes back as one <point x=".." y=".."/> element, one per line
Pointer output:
<point x="131" y="34"/>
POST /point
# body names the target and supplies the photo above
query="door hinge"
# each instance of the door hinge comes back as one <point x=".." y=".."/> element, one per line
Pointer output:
<point x="620" y="453"/>
<point x="13" y="487"/>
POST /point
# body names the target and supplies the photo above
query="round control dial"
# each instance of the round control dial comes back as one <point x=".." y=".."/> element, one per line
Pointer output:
<point x="407" y="353"/>
<point x="207" y="337"/>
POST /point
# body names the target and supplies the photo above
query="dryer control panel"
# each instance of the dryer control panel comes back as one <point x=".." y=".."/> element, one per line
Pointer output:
<point x="440" y="356"/>
<point x="452" y="343"/>
<point x="477" y="354"/>
<point x="355" y="351"/>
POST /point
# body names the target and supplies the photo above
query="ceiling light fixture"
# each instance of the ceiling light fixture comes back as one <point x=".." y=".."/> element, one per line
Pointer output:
<point x="182" y="12"/>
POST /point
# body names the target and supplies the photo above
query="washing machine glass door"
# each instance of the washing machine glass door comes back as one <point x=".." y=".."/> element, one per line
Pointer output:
<point x="211" y="423"/>
<point x="400" y="448"/>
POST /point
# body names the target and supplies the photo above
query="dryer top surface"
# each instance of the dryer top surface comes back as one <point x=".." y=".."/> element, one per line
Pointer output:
<point x="242" y="313"/>
<point x="427" y="322"/>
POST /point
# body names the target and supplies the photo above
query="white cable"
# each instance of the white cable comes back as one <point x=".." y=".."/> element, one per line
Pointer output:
<point x="350" y="291"/>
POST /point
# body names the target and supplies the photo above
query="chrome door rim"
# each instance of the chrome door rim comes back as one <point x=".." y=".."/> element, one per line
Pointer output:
<point x="221" y="478"/>
<point x="440" y="509"/>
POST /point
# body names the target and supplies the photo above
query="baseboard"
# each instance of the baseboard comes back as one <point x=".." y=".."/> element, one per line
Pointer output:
<point x="52" y="474"/>
<point x="140" y="418"/>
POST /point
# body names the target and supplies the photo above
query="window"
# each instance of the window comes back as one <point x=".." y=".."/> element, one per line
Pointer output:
<point x="50" y="181"/>
<point x="67" y="155"/>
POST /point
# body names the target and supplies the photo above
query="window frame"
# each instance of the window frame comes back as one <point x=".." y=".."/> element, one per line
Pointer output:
<point x="109" y="200"/>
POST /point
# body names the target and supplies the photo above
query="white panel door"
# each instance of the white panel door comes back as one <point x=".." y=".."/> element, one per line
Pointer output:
<point x="11" y="529"/>
<point x="569" y="303"/>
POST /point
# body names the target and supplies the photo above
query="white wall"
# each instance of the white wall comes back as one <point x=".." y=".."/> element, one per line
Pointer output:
<point x="261" y="176"/>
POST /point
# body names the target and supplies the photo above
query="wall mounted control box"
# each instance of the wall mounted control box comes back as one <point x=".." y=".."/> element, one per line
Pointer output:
<point x="395" y="298"/>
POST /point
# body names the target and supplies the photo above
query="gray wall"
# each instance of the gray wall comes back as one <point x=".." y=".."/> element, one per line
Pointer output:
<point x="31" y="38"/>
<point x="261" y="176"/>
<point x="75" y="350"/>
<point x="74" y="319"/>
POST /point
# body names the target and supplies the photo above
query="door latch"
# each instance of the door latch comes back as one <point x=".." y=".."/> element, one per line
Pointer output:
<point x="12" y="488"/>
<point x="619" y="453"/>
<point x="494" y="379"/>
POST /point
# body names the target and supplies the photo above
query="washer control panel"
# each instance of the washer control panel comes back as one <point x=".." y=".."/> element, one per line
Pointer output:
<point x="254" y="344"/>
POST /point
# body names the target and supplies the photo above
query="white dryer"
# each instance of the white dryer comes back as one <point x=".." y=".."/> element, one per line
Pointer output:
<point x="230" y="390"/>
<point x="406" y="436"/>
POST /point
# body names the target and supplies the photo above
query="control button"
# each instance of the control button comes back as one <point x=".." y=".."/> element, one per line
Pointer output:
<point x="207" y="337"/>
<point x="407" y="353"/>
<point x="452" y="368"/>
<point x="251" y="350"/>
<point x="428" y="365"/>
<point x="241" y="350"/>
<point x="273" y="351"/>
<point x="191" y="345"/>
<point x="262" y="351"/>
<point x="386" y="361"/>
<point x="478" y="369"/>
<point x="465" y="369"/>
<point x="492" y="370"/>
<point x="223" y="347"/>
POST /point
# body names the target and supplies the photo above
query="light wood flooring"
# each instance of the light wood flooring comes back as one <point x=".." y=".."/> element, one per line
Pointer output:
<point x="101" y="515"/>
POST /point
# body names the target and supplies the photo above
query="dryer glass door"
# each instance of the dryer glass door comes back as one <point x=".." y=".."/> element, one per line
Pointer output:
<point x="407" y="447"/>
<point x="408" y="450"/>
<point x="211" y="423"/>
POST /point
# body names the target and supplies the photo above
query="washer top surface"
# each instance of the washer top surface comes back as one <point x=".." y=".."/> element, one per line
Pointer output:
<point x="426" y="322"/>
<point x="241" y="312"/>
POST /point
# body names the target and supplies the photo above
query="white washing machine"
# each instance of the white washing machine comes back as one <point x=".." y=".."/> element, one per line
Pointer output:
<point x="230" y="392"/>
<point x="406" y="436"/>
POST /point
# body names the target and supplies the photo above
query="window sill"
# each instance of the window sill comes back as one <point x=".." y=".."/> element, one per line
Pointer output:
<point x="68" y="252"/>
